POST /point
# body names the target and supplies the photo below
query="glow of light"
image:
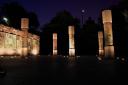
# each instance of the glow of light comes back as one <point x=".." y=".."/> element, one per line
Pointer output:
<point x="54" y="52"/>
<point x="117" y="58"/>
<point x="9" y="52"/>
<point x="19" y="51"/>
<point x="122" y="59"/>
<point x="71" y="52"/>
<point x="1" y="56"/>
<point x="12" y="57"/>
<point x="34" y="52"/>
<point x="78" y="56"/>
<point x="2" y="51"/>
<point x="101" y="52"/>
<point x="99" y="58"/>
<point x="26" y="57"/>
<point x="83" y="11"/>
<point x="24" y="50"/>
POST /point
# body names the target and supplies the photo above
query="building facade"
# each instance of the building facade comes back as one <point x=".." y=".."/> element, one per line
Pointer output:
<point x="13" y="42"/>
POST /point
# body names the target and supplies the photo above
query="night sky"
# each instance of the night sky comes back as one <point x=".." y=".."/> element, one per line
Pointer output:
<point x="47" y="9"/>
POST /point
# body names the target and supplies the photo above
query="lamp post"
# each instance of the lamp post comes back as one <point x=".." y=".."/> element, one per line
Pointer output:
<point x="82" y="17"/>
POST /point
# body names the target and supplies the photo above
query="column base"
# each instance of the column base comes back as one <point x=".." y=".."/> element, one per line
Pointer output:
<point x="24" y="52"/>
<point x="54" y="52"/>
<point x="71" y="52"/>
<point x="101" y="53"/>
<point x="109" y="52"/>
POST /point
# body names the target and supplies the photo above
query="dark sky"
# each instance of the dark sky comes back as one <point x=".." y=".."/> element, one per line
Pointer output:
<point x="47" y="9"/>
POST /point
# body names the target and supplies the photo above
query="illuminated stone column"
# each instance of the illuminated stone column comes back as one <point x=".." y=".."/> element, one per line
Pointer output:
<point x="107" y="21"/>
<point x="71" y="41"/>
<point x="24" y="27"/>
<point x="100" y="41"/>
<point x="54" y="44"/>
<point x="38" y="45"/>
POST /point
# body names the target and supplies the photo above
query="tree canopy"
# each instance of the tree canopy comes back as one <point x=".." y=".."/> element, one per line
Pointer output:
<point x="58" y="24"/>
<point x="14" y="12"/>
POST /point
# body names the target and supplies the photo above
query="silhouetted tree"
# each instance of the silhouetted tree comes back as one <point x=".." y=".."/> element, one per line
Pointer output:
<point x="89" y="38"/>
<point x="34" y="23"/>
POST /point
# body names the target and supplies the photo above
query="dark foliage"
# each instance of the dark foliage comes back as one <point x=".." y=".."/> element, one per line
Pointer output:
<point x="14" y="12"/>
<point x="59" y="24"/>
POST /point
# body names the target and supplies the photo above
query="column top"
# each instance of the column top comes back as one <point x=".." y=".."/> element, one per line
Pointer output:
<point x="106" y="16"/>
<point x="71" y="29"/>
<point x="24" y="23"/>
<point x="54" y="35"/>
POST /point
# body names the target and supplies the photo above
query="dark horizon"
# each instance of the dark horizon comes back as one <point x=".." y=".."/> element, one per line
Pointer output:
<point x="47" y="9"/>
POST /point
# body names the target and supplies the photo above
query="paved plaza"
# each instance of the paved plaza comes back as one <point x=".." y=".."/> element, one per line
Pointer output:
<point x="50" y="70"/>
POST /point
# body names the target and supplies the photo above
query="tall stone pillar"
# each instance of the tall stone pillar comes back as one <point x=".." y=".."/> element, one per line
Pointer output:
<point x="54" y="44"/>
<point x="38" y="45"/>
<point x="107" y="22"/>
<point x="24" y="28"/>
<point x="100" y="41"/>
<point x="71" y="40"/>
